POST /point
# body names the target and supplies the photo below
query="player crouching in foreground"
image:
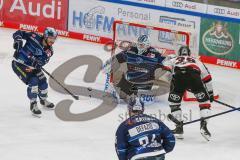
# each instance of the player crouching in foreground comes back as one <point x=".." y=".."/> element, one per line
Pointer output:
<point x="27" y="63"/>
<point x="189" y="73"/>
<point x="142" y="137"/>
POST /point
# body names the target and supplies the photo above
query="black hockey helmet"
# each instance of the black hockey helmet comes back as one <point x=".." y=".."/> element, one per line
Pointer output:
<point x="135" y="105"/>
<point x="184" y="51"/>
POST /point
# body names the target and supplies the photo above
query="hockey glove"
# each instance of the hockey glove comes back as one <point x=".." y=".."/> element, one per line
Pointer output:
<point x="211" y="96"/>
<point x="36" y="63"/>
<point x="17" y="45"/>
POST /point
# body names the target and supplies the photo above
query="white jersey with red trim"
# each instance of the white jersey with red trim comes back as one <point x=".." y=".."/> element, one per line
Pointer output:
<point x="193" y="63"/>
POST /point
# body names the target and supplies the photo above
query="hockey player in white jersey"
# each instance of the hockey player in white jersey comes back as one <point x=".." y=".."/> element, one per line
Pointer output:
<point x="189" y="74"/>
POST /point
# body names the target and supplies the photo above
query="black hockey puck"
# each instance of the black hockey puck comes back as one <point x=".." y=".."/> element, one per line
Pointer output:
<point x="89" y="89"/>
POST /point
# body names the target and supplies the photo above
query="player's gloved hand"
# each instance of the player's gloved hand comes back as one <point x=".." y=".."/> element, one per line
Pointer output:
<point x="17" y="45"/>
<point x="211" y="96"/>
<point x="36" y="63"/>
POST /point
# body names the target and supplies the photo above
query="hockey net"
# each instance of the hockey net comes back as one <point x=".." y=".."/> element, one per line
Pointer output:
<point x="166" y="40"/>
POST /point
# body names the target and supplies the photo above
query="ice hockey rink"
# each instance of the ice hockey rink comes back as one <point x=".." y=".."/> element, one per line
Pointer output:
<point x="25" y="137"/>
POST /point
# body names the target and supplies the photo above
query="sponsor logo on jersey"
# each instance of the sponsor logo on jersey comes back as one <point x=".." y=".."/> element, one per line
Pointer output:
<point x="94" y="19"/>
<point x="217" y="40"/>
<point x="175" y="97"/>
<point x="1" y="4"/>
<point x="200" y="95"/>
<point x="50" y="10"/>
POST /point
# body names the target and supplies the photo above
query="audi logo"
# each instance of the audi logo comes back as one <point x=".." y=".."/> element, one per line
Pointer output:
<point x="177" y="4"/>
<point x="1" y="4"/>
<point x="175" y="97"/>
<point x="219" y="11"/>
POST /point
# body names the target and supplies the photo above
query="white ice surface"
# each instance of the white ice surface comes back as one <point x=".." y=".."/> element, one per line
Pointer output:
<point x="24" y="137"/>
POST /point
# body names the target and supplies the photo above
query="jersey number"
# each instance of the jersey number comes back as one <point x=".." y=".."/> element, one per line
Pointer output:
<point x="184" y="60"/>
<point x="144" y="141"/>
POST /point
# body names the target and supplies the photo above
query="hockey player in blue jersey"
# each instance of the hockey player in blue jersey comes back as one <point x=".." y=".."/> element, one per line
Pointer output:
<point x="140" y="61"/>
<point x="27" y="63"/>
<point x="142" y="137"/>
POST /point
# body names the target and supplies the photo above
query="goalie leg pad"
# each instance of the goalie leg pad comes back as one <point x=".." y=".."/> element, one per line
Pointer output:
<point x="127" y="87"/>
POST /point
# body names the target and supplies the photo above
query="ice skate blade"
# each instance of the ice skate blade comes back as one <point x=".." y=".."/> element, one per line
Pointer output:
<point x="206" y="137"/>
<point x="179" y="136"/>
<point x="49" y="109"/>
<point x="36" y="115"/>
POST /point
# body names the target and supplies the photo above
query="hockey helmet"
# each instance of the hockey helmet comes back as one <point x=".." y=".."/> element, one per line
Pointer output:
<point x="184" y="51"/>
<point x="143" y="43"/>
<point x="135" y="105"/>
<point x="50" y="35"/>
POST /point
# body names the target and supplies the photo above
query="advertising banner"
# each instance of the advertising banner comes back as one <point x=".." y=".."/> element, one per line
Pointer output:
<point x="222" y="8"/>
<point x="151" y="2"/>
<point x="1" y="13"/>
<point x="35" y="12"/>
<point x="223" y="3"/>
<point x="97" y="17"/>
<point x="186" y="5"/>
<point x="220" y="40"/>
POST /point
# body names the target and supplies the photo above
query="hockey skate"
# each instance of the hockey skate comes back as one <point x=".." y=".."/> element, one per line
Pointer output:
<point x="35" y="110"/>
<point x="204" y="131"/>
<point x="178" y="131"/>
<point x="47" y="104"/>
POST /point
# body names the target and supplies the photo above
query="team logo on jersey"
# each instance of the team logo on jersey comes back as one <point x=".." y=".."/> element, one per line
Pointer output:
<point x="175" y="97"/>
<point x="139" y="60"/>
<point x="217" y="40"/>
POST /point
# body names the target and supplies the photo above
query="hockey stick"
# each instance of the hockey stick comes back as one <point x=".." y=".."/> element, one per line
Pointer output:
<point x="172" y="118"/>
<point x="74" y="96"/>
<point x="222" y="103"/>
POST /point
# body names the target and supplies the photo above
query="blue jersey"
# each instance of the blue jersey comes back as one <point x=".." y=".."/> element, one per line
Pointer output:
<point x="141" y="68"/>
<point x="143" y="136"/>
<point x="33" y="48"/>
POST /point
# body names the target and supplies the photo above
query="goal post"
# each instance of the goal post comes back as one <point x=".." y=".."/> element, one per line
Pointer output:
<point x="165" y="39"/>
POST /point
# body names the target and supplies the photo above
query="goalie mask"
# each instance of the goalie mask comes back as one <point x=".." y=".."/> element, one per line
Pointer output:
<point x="184" y="51"/>
<point x="142" y="43"/>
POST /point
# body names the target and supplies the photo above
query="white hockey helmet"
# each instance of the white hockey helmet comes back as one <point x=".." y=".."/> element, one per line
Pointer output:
<point x="184" y="51"/>
<point x="143" y="43"/>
